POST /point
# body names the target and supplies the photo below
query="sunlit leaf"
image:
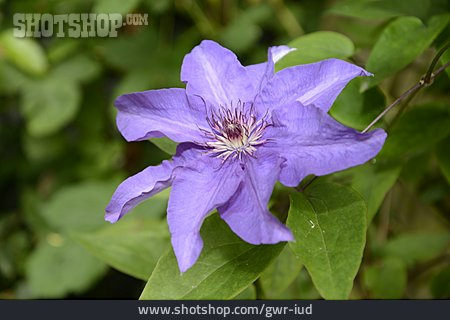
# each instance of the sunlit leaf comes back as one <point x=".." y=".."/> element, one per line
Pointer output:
<point x="317" y="46"/>
<point x="400" y="43"/>
<point x="25" y="53"/>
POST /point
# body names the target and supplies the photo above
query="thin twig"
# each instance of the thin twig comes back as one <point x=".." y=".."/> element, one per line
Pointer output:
<point x="422" y="83"/>
<point x="411" y="90"/>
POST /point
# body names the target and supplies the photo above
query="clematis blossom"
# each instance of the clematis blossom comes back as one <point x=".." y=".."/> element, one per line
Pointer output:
<point x="239" y="129"/>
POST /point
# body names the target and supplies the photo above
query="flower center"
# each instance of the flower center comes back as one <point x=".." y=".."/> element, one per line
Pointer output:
<point x="235" y="132"/>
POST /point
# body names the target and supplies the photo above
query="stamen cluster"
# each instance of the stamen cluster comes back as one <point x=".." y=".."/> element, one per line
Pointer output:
<point x="235" y="132"/>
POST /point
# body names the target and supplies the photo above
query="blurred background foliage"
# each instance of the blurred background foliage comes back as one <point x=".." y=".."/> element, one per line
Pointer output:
<point x="62" y="156"/>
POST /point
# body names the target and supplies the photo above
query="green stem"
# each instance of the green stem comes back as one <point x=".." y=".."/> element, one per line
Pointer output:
<point x="402" y="109"/>
<point x="287" y="18"/>
<point x="260" y="295"/>
<point x="436" y="58"/>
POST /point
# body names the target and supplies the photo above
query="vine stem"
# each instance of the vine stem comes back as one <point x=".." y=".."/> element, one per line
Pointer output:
<point x="424" y="82"/>
<point x="434" y="61"/>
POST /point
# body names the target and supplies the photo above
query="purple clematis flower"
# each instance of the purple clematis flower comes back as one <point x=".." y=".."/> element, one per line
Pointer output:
<point x="240" y="130"/>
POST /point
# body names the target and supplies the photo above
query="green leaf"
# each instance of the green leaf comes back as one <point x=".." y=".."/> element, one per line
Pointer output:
<point x="226" y="266"/>
<point x="443" y="156"/>
<point x="380" y="9"/>
<point x="416" y="131"/>
<point x="25" y="53"/>
<point x="133" y="246"/>
<point x="386" y="280"/>
<point x="165" y="144"/>
<point x="329" y="225"/>
<point x="357" y="109"/>
<point x="400" y="43"/>
<point x="79" y="207"/>
<point x="115" y="6"/>
<point x="60" y="266"/>
<point x="317" y="46"/>
<point x="79" y="69"/>
<point x="417" y="247"/>
<point x="49" y="104"/>
<point x="281" y="273"/>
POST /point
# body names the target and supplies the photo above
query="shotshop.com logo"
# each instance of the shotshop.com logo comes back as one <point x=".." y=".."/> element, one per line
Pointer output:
<point x="73" y="25"/>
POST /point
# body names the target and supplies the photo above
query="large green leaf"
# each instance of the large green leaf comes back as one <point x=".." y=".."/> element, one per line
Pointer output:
<point x="387" y="279"/>
<point x="281" y="273"/>
<point x="133" y="246"/>
<point x="443" y="155"/>
<point x="79" y="207"/>
<point x="329" y="225"/>
<point x="49" y="104"/>
<point x="357" y="109"/>
<point x="416" y="131"/>
<point x="226" y="266"/>
<point x="317" y="46"/>
<point x="60" y="266"/>
<point x="25" y="53"/>
<point x="400" y="43"/>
